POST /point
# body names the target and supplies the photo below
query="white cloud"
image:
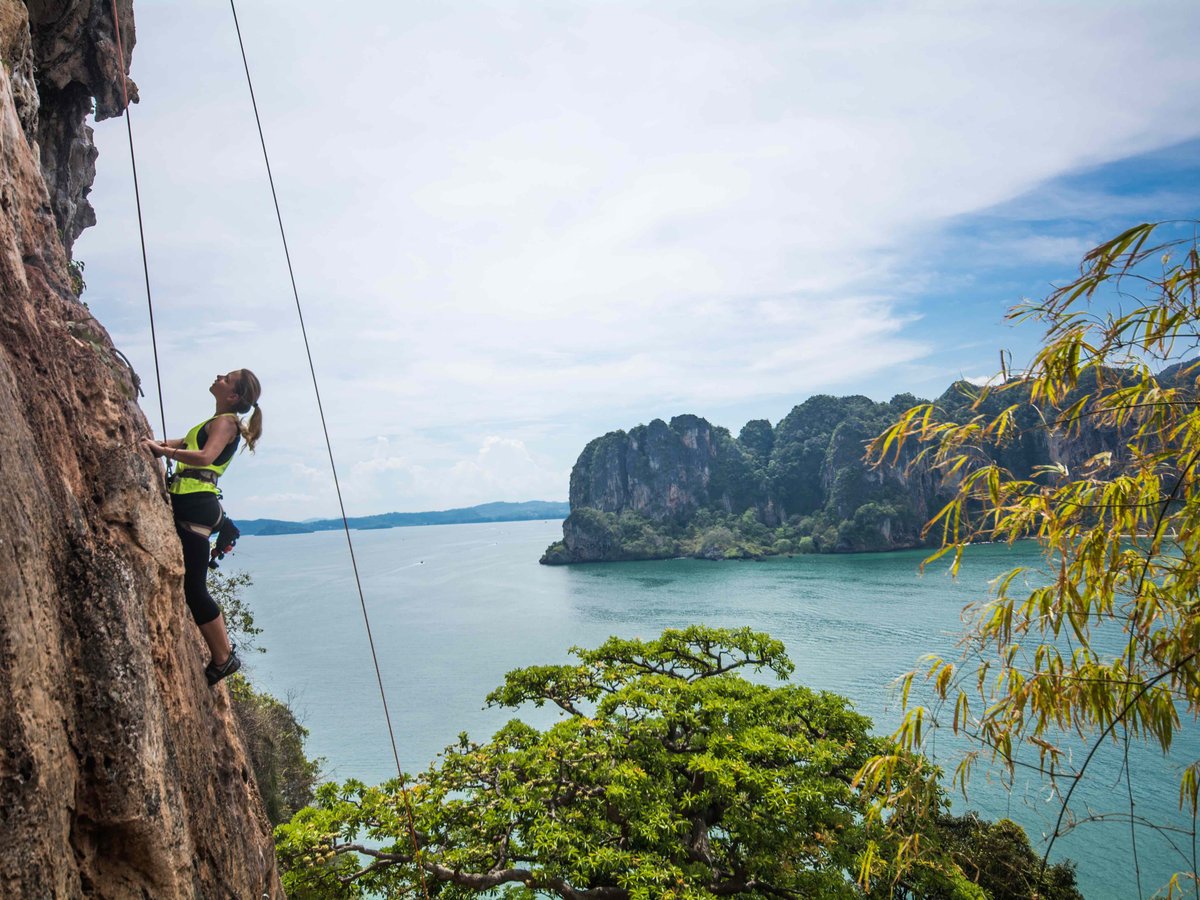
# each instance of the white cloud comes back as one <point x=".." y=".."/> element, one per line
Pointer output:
<point x="504" y="469"/>
<point x="984" y="380"/>
<point x="386" y="472"/>
<point x="538" y="221"/>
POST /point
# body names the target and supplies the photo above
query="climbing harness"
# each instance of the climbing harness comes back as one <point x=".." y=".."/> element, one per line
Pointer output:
<point x="204" y="531"/>
<point x="412" y="831"/>
<point x="227" y="534"/>
<point x="208" y="476"/>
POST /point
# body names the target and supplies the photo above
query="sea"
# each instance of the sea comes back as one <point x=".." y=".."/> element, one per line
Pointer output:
<point x="452" y="608"/>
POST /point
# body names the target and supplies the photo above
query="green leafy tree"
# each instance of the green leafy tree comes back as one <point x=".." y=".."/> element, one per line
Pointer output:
<point x="227" y="589"/>
<point x="998" y="857"/>
<point x="1120" y="525"/>
<point x="669" y="776"/>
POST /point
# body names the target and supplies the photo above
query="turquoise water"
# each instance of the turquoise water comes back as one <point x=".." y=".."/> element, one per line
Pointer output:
<point x="455" y="607"/>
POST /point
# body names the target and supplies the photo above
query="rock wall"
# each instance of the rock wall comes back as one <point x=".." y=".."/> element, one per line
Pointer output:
<point x="658" y="470"/>
<point x="78" y="70"/>
<point x="121" y="773"/>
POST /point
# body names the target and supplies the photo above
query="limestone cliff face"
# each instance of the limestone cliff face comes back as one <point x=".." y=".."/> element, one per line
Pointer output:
<point x="121" y="772"/>
<point x="658" y="470"/>
<point x="892" y="501"/>
<point x="689" y="488"/>
<point x="663" y="474"/>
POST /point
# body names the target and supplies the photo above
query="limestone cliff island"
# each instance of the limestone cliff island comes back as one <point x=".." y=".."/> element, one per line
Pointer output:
<point x="688" y="488"/>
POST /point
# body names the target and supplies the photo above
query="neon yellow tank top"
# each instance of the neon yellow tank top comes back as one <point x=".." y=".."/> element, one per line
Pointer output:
<point x="180" y="484"/>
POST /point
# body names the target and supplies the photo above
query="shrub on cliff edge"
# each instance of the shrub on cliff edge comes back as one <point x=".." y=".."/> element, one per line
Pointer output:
<point x="274" y="740"/>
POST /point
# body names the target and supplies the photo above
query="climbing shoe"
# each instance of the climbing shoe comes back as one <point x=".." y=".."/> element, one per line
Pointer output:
<point x="215" y="673"/>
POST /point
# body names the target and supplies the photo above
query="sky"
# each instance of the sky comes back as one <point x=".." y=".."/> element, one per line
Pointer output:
<point x="518" y="225"/>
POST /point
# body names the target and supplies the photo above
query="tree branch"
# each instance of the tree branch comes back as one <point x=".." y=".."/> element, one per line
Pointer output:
<point x="480" y="880"/>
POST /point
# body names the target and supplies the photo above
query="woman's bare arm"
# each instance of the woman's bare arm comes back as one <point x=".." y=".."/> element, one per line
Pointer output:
<point x="220" y="432"/>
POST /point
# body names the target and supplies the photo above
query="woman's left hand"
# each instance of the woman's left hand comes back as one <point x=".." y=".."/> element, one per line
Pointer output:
<point x="154" y="447"/>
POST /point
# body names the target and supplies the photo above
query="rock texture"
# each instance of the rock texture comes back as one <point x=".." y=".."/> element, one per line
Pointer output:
<point x="662" y="471"/>
<point x="78" y="70"/>
<point x="121" y="772"/>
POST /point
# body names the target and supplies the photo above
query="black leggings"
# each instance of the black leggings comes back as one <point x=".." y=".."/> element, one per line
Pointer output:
<point x="205" y="510"/>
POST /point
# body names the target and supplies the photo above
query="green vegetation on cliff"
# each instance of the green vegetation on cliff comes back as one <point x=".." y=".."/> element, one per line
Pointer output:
<point x="716" y="535"/>
<point x="274" y="739"/>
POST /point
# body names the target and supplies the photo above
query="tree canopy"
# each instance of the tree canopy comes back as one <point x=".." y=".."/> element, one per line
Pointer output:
<point x="669" y="775"/>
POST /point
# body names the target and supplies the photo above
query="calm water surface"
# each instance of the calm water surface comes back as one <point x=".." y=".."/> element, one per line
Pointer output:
<point x="455" y="607"/>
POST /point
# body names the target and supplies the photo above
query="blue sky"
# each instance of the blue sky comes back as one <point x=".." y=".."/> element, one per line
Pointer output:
<point x="517" y="226"/>
<point x="983" y="263"/>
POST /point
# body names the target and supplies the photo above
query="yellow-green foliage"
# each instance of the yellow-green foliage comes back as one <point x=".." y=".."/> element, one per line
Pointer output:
<point x="1120" y="530"/>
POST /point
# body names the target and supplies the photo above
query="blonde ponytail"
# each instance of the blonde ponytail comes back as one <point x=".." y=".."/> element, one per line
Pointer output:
<point x="252" y="430"/>
<point x="249" y="390"/>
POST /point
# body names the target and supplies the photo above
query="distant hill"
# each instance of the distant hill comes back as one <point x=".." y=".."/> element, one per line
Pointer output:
<point x="487" y="512"/>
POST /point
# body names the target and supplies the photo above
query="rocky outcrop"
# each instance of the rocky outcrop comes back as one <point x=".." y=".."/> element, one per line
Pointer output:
<point x="663" y="472"/>
<point x="78" y="71"/>
<point x="689" y="488"/>
<point x="121" y="773"/>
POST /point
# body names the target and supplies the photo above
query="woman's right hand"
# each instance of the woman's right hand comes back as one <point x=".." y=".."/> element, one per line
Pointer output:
<point x="154" y="447"/>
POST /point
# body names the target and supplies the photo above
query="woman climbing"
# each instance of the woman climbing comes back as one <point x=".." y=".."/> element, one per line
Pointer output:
<point x="201" y="458"/>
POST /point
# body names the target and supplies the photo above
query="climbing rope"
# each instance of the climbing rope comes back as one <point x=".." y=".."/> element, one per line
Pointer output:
<point x="332" y="465"/>
<point x="141" y="227"/>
